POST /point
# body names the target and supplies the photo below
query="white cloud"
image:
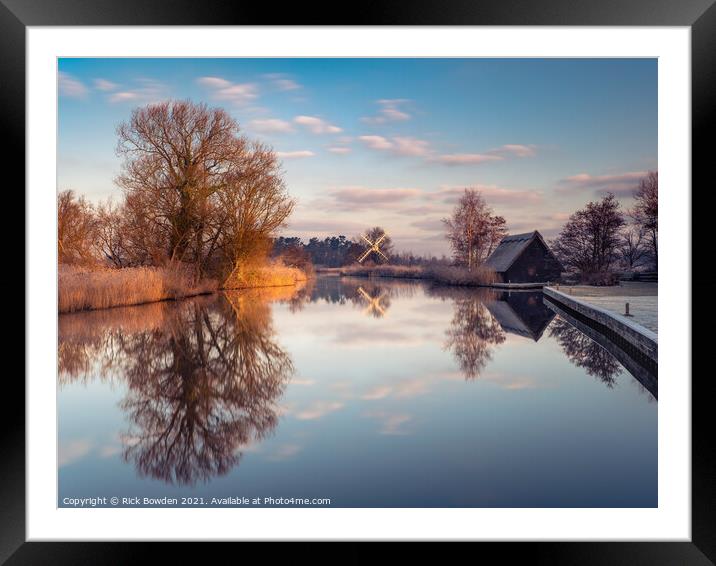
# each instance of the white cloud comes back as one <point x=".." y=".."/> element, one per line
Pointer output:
<point x="467" y="158"/>
<point x="123" y="96"/>
<point x="621" y="184"/>
<point x="271" y="126"/>
<point x="341" y="150"/>
<point x="324" y="226"/>
<point x="318" y="409"/>
<point x="411" y="146"/>
<point x="72" y="451"/>
<point x="148" y="91"/>
<point x="493" y="194"/>
<point x="497" y="154"/>
<point x="222" y="89"/>
<point x="282" y="82"/>
<point x="105" y="85"/>
<point x="70" y="86"/>
<point x="376" y="142"/>
<point x="365" y="195"/>
<point x="358" y="197"/>
<point x="517" y="150"/>
<point x="398" y="145"/>
<point x="390" y="111"/>
<point x="391" y="422"/>
<point x="295" y="154"/>
<point x="316" y="125"/>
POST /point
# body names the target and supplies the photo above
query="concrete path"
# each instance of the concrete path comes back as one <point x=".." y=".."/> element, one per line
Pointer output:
<point x="642" y="298"/>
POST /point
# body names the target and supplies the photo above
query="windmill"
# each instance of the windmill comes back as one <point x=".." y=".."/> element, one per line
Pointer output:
<point x="374" y="307"/>
<point x="373" y="247"/>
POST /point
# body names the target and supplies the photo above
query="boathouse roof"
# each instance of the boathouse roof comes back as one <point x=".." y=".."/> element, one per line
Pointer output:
<point x="510" y="248"/>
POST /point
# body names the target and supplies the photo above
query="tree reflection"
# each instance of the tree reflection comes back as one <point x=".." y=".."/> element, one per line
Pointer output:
<point x="201" y="385"/>
<point x="473" y="330"/>
<point x="584" y="352"/>
<point x="201" y="388"/>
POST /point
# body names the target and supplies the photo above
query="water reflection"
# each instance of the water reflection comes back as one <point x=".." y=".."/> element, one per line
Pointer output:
<point x="377" y="304"/>
<point x="201" y="379"/>
<point x="522" y="313"/>
<point x="584" y="352"/>
<point x="200" y="386"/>
<point x="372" y="295"/>
<point x="473" y="331"/>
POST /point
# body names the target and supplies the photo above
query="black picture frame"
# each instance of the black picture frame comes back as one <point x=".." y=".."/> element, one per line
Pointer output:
<point x="699" y="15"/>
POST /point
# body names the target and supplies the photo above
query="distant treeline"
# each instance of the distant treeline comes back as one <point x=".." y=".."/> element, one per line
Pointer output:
<point x="339" y="251"/>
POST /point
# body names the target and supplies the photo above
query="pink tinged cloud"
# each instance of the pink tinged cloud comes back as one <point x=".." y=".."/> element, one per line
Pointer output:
<point x="339" y="150"/>
<point x="405" y="146"/>
<point x="621" y="184"/>
<point x="148" y="91"/>
<point x="492" y="194"/>
<point x="222" y="89"/>
<point x="271" y="126"/>
<point x="123" y="96"/>
<point x="429" y="224"/>
<point x="301" y="154"/>
<point x="282" y="82"/>
<point x="390" y="111"/>
<point x="318" y="409"/>
<point x="517" y="150"/>
<point x="376" y="142"/>
<point x="467" y="158"/>
<point x="323" y="226"/>
<point x="363" y="195"/>
<point x="105" y="85"/>
<point x="316" y="125"/>
<point x="71" y="87"/>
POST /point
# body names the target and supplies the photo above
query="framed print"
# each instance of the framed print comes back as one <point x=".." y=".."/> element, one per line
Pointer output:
<point x="395" y="279"/>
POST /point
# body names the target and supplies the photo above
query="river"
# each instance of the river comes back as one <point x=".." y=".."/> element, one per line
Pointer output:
<point x="350" y="392"/>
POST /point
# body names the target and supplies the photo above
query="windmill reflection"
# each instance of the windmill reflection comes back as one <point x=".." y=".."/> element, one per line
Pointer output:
<point x="201" y="386"/>
<point x="374" y="307"/>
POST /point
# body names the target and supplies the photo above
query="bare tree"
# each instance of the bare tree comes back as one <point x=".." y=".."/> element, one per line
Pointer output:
<point x="111" y="235"/>
<point x="473" y="230"/>
<point x="196" y="190"/>
<point x="631" y="247"/>
<point x="646" y="210"/>
<point x="76" y="227"/>
<point x="589" y="241"/>
<point x="176" y="155"/>
<point x="250" y="206"/>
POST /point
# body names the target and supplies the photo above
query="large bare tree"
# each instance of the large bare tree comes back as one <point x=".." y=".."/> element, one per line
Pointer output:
<point x="195" y="187"/>
<point x="473" y="230"/>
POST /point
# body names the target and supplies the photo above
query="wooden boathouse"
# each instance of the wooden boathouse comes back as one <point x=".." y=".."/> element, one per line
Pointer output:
<point x="524" y="258"/>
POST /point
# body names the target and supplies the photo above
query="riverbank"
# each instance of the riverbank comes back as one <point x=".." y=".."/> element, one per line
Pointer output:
<point x="443" y="274"/>
<point x="643" y="299"/>
<point x="81" y="289"/>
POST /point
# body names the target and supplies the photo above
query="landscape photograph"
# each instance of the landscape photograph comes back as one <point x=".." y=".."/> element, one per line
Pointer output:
<point x="357" y="282"/>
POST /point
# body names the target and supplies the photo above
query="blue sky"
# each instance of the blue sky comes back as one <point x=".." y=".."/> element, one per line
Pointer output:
<point x="392" y="141"/>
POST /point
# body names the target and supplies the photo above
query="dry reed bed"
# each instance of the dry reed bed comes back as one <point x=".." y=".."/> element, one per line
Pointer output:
<point x="271" y="275"/>
<point x="82" y="289"/>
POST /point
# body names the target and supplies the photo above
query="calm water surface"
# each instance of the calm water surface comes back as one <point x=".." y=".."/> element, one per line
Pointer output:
<point x="372" y="393"/>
